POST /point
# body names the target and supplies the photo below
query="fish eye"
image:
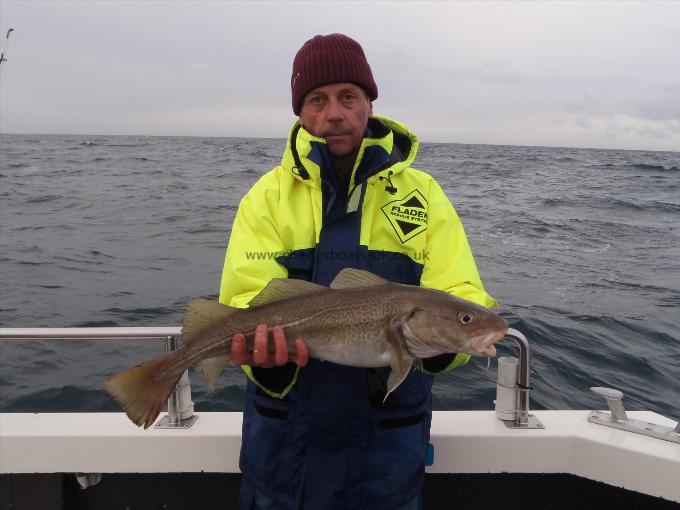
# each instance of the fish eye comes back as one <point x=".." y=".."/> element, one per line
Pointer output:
<point x="465" y="317"/>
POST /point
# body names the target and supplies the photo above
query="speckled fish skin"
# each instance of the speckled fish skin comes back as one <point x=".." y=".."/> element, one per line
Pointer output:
<point x="352" y="326"/>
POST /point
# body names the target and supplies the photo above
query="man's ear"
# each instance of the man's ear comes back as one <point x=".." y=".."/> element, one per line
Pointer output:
<point x="300" y="121"/>
<point x="370" y="109"/>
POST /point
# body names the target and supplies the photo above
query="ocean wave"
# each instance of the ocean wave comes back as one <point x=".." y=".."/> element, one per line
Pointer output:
<point x="43" y="198"/>
<point x="30" y="263"/>
<point x="204" y="229"/>
<point x="95" y="324"/>
<point x="260" y="154"/>
<point x="664" y="207"/>
<point x="143" y="314"/>
<point x="77" y="260"/>
<point x="97" y="253"/>
<point x="598" y="248"/>
<point x="82" y="269"/>
<point x="554" y="202"/>
<point x="29" y="227"/>
<point x="657" y="168"/>
<point x="127" y="145"/>
<point x="672" y="301"/>
<point x="618" y="203"/>
<point x="122" y="293"/>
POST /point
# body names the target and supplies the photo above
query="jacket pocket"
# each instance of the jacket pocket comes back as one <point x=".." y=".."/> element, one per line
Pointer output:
<point x="405" y="421"/>
<point x="268" y="446"/>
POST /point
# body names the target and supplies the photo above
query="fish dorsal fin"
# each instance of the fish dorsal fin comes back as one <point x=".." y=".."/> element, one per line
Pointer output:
<point x="351" y="278"/>
<point x="201" y="314"/>
<point x="279" y="289"/>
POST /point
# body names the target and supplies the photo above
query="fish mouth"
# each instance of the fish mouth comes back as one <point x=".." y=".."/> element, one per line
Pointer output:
<point x="483" y="345"/>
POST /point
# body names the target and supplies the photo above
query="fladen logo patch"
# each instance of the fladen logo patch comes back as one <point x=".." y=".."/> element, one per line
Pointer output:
<point x="408" y="216"/>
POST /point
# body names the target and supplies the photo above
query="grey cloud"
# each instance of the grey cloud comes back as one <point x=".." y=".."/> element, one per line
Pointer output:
<point x="661" y="104"/>
<point x="656" y="104"/>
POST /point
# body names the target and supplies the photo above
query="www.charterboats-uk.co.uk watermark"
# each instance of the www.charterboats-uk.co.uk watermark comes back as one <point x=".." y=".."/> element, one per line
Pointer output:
<point x="349" y="255"/>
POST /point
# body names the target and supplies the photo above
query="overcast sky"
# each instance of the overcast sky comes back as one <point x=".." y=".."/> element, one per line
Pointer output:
<point x="559" y="74"/>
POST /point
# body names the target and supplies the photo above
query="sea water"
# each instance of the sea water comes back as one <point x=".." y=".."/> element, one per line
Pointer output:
<point x="581" y="247"/>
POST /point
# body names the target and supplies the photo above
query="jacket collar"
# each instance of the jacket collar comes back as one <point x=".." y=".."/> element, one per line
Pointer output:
<point x="387" y="144"/>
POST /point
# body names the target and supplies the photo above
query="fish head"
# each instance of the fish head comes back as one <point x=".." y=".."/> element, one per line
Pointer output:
<point x="451" y="324"/>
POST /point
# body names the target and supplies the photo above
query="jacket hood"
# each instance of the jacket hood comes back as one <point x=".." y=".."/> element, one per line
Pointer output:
<point x="386" y="144"/>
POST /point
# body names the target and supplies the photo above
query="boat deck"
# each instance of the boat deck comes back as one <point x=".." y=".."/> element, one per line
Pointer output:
<point x="571" y="463"/>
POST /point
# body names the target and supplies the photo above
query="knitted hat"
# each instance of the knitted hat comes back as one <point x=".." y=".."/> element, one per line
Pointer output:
<point x="328" y="59"/>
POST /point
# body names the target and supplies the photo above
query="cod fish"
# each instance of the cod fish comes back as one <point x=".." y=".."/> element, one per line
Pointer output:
<point x="362" y="320"/>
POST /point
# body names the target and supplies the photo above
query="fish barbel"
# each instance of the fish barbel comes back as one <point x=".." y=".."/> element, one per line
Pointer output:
<point x="361" y="320"/>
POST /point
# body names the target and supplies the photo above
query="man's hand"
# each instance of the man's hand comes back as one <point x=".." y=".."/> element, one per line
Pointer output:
<point x="261" y="355"/>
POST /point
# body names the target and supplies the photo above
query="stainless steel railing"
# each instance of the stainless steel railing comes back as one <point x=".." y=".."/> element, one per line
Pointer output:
<point x="180" y="407"/>
<point x="116" y="333"/>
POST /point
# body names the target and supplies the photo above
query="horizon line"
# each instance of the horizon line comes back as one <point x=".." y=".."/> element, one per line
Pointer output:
<point x="285" y="138"/>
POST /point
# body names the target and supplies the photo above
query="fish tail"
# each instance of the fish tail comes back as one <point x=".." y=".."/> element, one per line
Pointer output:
<point x="144" y="389"/>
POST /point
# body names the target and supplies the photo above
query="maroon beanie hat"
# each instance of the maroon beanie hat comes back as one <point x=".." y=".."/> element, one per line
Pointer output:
<point x="328" y="59"/>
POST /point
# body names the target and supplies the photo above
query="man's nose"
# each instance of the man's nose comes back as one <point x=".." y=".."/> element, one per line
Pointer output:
<point x="335" y="110"/>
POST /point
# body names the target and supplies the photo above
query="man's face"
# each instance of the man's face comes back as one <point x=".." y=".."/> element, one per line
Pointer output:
<point x="339" y="113"/>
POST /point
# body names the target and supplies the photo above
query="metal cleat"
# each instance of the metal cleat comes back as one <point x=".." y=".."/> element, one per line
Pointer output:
<point x="618" y="419"/>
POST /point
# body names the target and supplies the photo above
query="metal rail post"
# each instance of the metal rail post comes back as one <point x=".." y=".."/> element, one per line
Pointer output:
<point x="523" y="419"/>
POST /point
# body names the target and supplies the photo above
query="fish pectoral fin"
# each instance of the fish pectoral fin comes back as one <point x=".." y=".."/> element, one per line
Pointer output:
<point x="397" y="375"/>
<point x="395" y="337"/>
<point x="350" y="278"/>
<point x="201" y="314"/>
<point x="212" y="368"/>
<point x="401" y="358"/>
<point x="279" y="289"/>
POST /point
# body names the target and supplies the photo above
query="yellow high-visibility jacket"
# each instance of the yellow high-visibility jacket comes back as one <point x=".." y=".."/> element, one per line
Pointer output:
<point x="324" y="435"/>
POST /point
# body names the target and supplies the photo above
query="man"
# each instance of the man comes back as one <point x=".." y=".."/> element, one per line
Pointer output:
<point x="317" y="435"/>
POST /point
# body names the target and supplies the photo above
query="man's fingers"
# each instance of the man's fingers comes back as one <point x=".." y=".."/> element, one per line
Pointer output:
<point x="238" y="350"/>
<point x="301" y="355"/>
<point x="280" y="347"/>
<point x="261" y="355"/>
<point x="260" y="350"/>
